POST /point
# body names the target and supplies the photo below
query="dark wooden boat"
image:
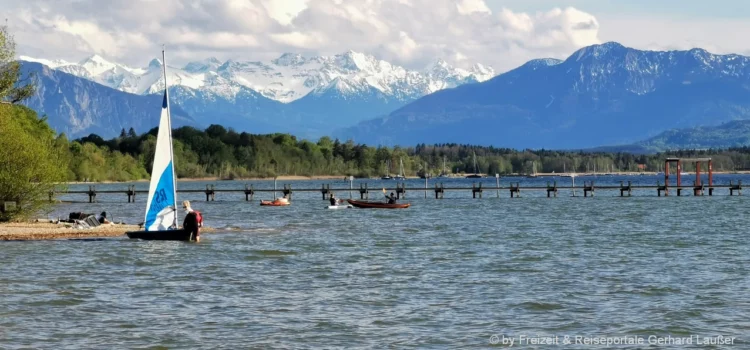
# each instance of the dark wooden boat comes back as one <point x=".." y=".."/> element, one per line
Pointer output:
<point x="366" y="204"/>
<point x="168" y="235"/>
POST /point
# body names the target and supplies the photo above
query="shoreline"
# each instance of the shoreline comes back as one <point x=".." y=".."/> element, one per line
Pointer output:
<point x="48" y="230"/>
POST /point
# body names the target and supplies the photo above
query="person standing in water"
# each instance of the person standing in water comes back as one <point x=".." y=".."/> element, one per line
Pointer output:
<point x="333" y="199"/>
<point x="193" y="221"/>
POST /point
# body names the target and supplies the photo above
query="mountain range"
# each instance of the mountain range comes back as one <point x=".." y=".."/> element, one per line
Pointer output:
<point x="79" y="107"/>
<point x="605" y="94"/>
<point x="307" y="96"/>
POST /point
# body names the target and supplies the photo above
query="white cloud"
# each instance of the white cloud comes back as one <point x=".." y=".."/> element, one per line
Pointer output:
<point x="408" y="32"/>
<point x="466" y="7"/>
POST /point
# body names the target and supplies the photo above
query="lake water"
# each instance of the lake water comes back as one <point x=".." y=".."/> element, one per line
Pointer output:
<point x="453" y="273"/>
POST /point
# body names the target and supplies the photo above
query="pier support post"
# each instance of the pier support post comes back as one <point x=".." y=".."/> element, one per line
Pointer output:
<point x="326" y="191"/>
<point x="476" y="189"/>
<point x="627" y="189"/>
<point x="439" y="191"/>
<point x="400" y="190"/>
<point x="497" y="183"/>
<point x="660" y="188"/>
<point x="515" y="190"/>
<point x="698" y="190"/>
<point x="351" y="186"/>
<point x="552" y="190"/>
<point x="588" y="187"/>
<point x="92" y="194"/>
<point x="733" y="187"/>
<point x="210" y="193"/>
<point x="131" y="194"/>
<point x="364" y="193"/>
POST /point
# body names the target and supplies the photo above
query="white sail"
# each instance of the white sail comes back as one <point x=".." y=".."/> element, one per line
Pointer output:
<point x="161" y="206"/>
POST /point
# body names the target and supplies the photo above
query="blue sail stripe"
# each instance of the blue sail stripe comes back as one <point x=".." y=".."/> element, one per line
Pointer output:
<point x="163" y="196"/>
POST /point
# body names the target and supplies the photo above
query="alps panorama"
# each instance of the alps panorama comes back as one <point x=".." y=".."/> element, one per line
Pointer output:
<point x="441" y="174"/>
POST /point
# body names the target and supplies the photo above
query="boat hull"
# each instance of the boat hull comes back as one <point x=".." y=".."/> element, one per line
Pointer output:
<point x="377" y="205"/>
<point x="168" y="235"/>
<point x="341" y="206"/>
<point x="274" y="203"/>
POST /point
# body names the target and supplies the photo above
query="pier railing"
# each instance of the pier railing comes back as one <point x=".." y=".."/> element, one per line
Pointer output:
<point x="477" y="189"/>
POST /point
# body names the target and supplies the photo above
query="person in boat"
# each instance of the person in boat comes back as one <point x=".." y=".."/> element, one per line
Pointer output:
<point x="103" y="218"/>
<point x="333" y="199"/>
<point x="193" y="221"/>
<point x="283" y="199"/>
<point x="391" y="199"/>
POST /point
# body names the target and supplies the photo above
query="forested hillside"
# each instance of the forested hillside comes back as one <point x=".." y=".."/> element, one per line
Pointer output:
<point x="227" y="154"/>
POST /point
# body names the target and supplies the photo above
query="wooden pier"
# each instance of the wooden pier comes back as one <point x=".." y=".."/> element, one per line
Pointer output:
<point x="476" y="190"/>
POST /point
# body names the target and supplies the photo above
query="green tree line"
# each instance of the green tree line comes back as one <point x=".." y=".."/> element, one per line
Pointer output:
<point x="228" y="154"/>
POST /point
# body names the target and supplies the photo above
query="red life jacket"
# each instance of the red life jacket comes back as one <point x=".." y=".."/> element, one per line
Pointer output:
<point x="198" y="218"/>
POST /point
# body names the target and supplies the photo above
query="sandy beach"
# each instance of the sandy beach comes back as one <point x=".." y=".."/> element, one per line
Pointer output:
<point x="23" y="231"/>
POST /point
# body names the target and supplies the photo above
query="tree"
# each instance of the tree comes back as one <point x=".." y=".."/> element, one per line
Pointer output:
<point x="131" y="133"/>
<point x="30" y="164"/>
<point x="123" y="134"/>
<point x="13" y="88"/>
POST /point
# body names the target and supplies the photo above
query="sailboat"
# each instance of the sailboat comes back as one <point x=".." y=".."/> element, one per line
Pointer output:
<point x="387" y="175"/>
<point x="400" y="175"/>
<point x="161" y="205"/>
<point x="425" y="174"/>
<point x="476" y="171"/>
<point x="444" y="173"/>
<point x="533" y="166"/>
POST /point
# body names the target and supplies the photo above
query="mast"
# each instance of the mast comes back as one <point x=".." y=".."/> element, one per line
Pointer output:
<point x="476" y="172"/>
<point x="169" y="125"/>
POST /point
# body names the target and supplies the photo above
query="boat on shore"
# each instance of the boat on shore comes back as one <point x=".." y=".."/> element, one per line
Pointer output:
<point x="377" y="205"/>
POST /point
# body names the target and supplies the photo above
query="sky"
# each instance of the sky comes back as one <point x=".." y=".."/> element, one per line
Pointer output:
<point x="413" y="33"/>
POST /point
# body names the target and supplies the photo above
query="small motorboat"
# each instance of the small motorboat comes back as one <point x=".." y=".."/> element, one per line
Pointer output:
<point x="368" y="204"/>
<point x="278" y="202"/>
<point x="340" y="204"/>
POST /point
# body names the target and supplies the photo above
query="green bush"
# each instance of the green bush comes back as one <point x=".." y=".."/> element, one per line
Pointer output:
<point x="30" y="164"/>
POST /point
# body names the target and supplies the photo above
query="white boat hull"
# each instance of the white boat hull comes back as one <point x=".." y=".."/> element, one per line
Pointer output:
<point x="347" y="206"/>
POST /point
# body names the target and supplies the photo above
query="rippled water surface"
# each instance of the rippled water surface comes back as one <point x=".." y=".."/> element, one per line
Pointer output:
<point x="442" y="274"/>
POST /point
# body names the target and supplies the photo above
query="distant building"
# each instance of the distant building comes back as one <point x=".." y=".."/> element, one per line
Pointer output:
<point x="641" y="167"/>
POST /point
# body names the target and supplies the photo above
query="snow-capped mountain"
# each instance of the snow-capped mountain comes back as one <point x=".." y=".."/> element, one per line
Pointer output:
<point x="79" y="107"/>
<point x="285" y="79"/>
<point x="604" y="94"/>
